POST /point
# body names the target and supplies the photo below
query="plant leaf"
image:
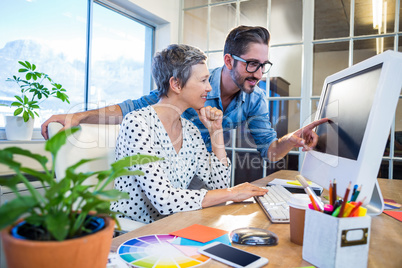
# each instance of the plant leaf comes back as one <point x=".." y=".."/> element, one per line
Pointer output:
<point x="16" y="150"/>
<point x="10" y="182"/>
<point x="18" y="111"/>
<point x="111" y="195"/>
<point x="25" y="115"/>
<point x="58" y="224"/>
<point x="131" y="160"/>
<point x="19" y="98"/>
<point x="15" y="103"/>
<point x="22" y="70"/>
<point x="23" y="64"/>
<point x="31" y="114"/>
<point x="28" y="64"/>
<point x="58" y="188"/>
<point x="53" y="145"/>
<point x="14" y="209"/>
<point x="43" y="177"/>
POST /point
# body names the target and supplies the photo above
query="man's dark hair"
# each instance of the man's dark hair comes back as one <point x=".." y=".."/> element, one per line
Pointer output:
<point x="239" y="38"/>
<point x="175" y="61"/>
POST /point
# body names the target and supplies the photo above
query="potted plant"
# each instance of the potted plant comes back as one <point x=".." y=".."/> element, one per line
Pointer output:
<point x="35" y="88"/>
<point x="59" y="228"/>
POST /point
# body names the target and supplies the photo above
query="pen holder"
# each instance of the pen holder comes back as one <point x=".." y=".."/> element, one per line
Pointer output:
<point x="336" y="242"/>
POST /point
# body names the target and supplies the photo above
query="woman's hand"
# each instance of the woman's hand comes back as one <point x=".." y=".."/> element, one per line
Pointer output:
<point x="237" y="193"/>
<point x="211" y="117"/>
<point x="245" y="191"/>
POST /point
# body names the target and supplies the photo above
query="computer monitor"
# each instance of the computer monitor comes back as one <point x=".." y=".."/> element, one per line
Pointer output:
<point x="360" y="102"/>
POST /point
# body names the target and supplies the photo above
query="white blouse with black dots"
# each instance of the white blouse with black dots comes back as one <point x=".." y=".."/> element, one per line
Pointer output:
<point x="163" y="188"/>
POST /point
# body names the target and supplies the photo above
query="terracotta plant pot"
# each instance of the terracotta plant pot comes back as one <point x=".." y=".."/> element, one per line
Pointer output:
<point x="89" y="251"/>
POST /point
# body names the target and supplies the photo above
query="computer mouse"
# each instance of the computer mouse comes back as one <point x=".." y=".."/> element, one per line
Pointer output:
<point x="253" y="236"/>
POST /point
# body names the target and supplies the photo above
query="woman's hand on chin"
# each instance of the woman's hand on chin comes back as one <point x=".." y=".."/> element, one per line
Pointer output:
<point x="211" y="117"/>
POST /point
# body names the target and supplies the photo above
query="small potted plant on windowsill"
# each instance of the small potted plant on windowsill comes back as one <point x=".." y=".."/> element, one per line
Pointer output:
<point x="35" y="88"/>
<point x="59" y="228"/>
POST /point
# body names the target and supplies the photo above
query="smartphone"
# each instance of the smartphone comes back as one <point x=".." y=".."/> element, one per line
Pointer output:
<point x="232" y="256"/>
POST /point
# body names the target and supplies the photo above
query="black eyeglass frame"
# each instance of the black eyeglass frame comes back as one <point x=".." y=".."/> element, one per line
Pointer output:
<point x="261" y="65"/>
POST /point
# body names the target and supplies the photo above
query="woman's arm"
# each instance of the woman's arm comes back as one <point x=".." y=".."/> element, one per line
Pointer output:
<point x="212" y="117"/>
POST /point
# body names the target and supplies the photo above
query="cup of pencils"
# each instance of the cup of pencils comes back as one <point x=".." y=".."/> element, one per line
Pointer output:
<point x="348" y="206"/>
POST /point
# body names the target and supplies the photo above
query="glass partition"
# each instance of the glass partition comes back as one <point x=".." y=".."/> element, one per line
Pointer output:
<point x="223" y="19"/>
<point x="366" y="48"/>
<point x="287" y="64"/>
<point x="286" y="21"/>
<point x="329" y="58"/>
<point x="254" y="13"/>
<point x="377" y="19"/>
<point x="195" y="28"/>
<point x="331" y="19"/>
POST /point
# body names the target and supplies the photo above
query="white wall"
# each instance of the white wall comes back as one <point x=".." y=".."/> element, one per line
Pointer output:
<point x="163" y="14"/>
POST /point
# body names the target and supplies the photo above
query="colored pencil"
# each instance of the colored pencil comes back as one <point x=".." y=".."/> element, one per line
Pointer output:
<point x="356" y="208"/>
<point x="345" y="199"/>
<point x="356" y="194"/>
<point x="334" y="192"/>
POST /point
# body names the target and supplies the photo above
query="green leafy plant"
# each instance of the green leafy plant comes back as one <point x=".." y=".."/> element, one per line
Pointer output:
<point x="62" y="211"/>
<point x="34" y="90"/>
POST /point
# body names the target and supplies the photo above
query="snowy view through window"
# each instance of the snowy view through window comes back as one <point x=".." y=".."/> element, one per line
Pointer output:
<point x="52" y="35"/>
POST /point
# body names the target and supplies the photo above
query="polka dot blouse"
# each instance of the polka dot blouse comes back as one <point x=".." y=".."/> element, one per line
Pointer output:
<point x="163" y="188"/>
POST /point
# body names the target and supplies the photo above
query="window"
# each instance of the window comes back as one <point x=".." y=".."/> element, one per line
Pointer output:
<point x="305" y="37"/>
<point x="120" y="51"/>
<point x="52" y="34"/>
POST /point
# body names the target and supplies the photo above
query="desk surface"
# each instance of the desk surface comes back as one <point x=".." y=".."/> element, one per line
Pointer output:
<point x="385" y="242"/>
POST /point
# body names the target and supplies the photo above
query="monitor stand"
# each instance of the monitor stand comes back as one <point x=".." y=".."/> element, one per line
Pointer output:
<point x="376" y="205"/>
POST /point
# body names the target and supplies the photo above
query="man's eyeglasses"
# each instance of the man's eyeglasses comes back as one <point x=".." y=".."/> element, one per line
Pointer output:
<point x="253" y="66"/>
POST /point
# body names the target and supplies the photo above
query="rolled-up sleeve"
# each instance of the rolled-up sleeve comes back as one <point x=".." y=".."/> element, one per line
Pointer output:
<point x="128" y="106"/>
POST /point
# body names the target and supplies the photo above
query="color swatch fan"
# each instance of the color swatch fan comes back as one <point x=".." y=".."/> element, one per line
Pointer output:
<point x="159" y="251"/>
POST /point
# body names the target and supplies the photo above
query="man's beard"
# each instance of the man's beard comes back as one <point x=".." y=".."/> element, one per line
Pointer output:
<point x="239" y="81"/>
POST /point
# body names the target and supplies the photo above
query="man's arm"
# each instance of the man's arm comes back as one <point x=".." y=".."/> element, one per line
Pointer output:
<point x="304" y="137"/>
<point x="107" y="115"/>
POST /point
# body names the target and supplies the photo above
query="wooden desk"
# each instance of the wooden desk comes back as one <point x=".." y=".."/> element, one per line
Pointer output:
<point x="385" y="242"/>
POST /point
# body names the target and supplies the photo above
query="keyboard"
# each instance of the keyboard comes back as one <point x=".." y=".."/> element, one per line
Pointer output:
<point x="275" y="203"/>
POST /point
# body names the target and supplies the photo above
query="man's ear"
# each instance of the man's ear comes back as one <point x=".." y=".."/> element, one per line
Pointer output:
<point x="174" y="85"/>
<point x="228" y="60"/>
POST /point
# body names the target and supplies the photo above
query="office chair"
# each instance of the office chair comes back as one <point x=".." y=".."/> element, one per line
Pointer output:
<point x="92" y="141"/>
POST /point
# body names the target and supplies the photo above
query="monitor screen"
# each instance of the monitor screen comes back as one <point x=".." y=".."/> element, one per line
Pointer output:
<point x="347" y="103"/>
<point x="360" y="102"/>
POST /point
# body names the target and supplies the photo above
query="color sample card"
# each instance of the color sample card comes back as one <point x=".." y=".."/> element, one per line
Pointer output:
<point x="188" y="242"/>
<point x="199" y="233"/>
<point x="391" y="204"/>
<point x="395" y="214"/>
<point x="156" y="251"/>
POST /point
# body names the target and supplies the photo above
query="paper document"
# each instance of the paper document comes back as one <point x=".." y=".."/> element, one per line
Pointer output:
<point x="294" y="187"/>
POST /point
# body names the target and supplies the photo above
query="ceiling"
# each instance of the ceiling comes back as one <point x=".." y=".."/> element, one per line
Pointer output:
<point x="332" y="20"/>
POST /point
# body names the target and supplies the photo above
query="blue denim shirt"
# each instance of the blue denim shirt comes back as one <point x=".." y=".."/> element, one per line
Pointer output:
<point x="250" y="108"/>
